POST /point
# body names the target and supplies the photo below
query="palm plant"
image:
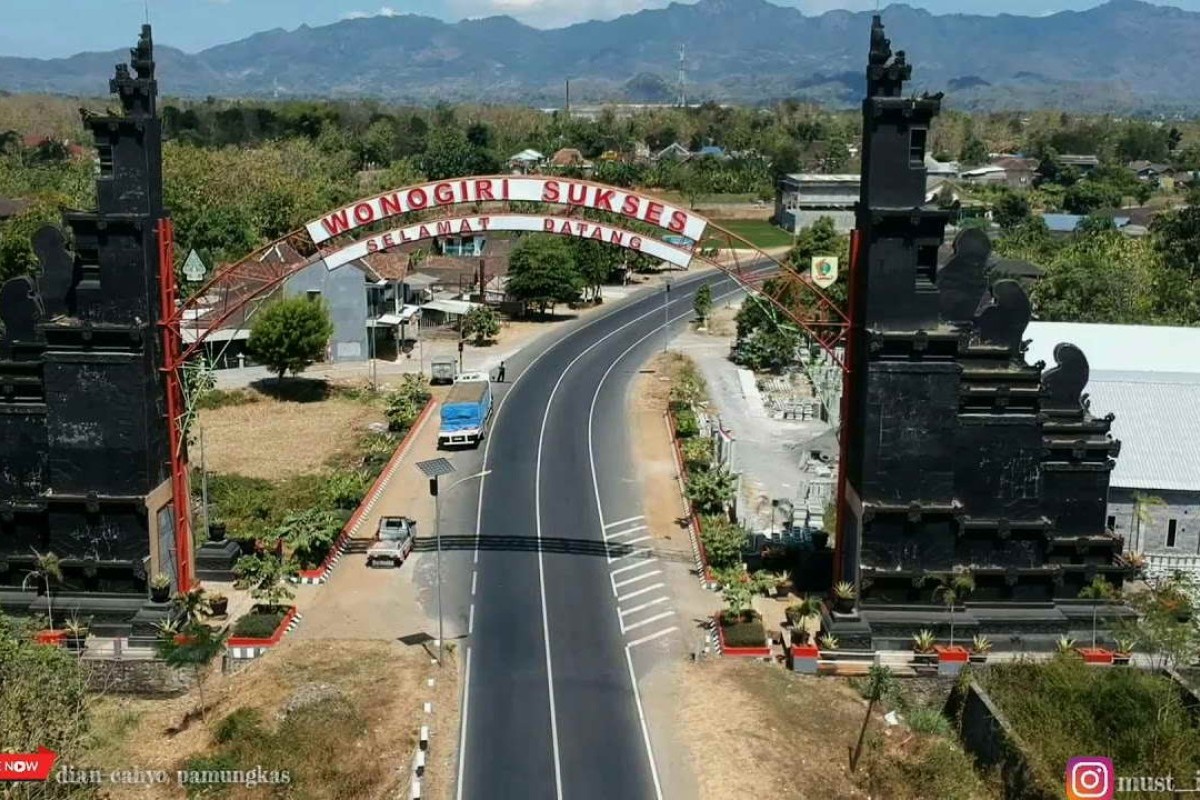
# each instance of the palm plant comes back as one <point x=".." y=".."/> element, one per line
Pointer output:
<point x="1064" y="645"/>
<point x="48" y="567"/>
<point x="827" y="641"/>
<point x="924" y="640"/>
<point x="952" y="590"/>
<point x="800" y="613"/>
<point x="190" y="607"/>
<point x="981" y="644"/>
<point x="1098" y="590"/>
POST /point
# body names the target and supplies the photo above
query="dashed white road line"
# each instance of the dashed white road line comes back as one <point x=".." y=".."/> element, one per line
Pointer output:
<point x="471" y="620"/>
<point x="651" y="637"/>
<point x="623" y="522"/>
<point x="643" y="606"/>
<point x="609" y="537"/>
<point x="628" y="542"/>
<point x="647" y="562"/>
<point x="631" y="554"/>
<point x="474" y="577"/>
<point x="632" y="595"/>
<point x="637" y="578"/>
<point x="627" y="628"/>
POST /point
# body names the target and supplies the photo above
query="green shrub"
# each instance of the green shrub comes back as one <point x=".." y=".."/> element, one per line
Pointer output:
<point x="344" y="489"/>
<point x="929" y="720"/>
<point x="686" y="424"/>
<point x="405" y="404"/>
<point x="215" y="762"/>
<point x="258" y="624"/>
<point x="697" y="454"/>
<point x="309" y="536"/>
<point x="723" y="542"/>
<point x="932" y="767"/>
<point x="243" y="723"/>
<point x="743" y="632"/>
<point x="711" y="490"/>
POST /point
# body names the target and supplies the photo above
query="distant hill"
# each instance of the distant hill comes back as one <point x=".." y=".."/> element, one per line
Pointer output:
<point x="1125" y="55"/>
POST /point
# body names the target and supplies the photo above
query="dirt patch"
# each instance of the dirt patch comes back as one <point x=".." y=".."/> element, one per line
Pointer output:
<point x="273" y="439"/>
<point x="754" y="730"/>
<point x="359" y="701"/>
<point x="653" y="453"/>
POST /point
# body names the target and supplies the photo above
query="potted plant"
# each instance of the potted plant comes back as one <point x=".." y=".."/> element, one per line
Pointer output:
<point x="1136" y="562"/>
<point x="1124" y="651"/>
<point x="799" y="614"/>
<point x="1065" y="645"/>
<point x="190" y="606"/>
<point x="218" y="604"/>
<point x="827" y="641"/>
<point x="217" y="531"/>
<point x="980" y="647"/>
<point x="781" y="582"/>
<point x="47" y="634"/>
<point x="844" y="595"/>
<point x="167" y="628"/>
<point x="923" y="643"/>
<point x="77" y="633"/>
<point x="160" y="588"/>
<point x="1098" y="591"/>
<point x="48" y="567"/>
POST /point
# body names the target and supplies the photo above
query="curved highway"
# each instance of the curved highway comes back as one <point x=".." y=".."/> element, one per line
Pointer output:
<point x="558" y="585"/>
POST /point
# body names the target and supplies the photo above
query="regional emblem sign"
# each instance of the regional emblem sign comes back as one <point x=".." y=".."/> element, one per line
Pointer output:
<point x="824" y="271"/>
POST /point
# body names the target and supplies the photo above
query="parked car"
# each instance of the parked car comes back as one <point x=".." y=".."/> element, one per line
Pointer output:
<point x="394" y="539"/>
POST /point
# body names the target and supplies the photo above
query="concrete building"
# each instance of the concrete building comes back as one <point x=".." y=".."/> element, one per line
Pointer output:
<point x="803" y="198"/>
<point x="1149" y="377"/>
<point x="344" y="292"/>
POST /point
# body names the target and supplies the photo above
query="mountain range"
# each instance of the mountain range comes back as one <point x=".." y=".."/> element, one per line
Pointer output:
<point x="1124" y="56"/>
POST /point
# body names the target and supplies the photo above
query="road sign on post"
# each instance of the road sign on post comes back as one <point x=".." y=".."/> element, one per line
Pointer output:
<point x="194" y="269"/>
<point x="824" y="271"/>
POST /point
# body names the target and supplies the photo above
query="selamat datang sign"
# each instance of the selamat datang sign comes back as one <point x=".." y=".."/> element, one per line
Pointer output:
<point x="535" y="189"/>
<point x="532" y="223"/>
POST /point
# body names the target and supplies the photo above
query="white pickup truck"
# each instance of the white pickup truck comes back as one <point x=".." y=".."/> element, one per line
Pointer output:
<point x="393" y="541"/>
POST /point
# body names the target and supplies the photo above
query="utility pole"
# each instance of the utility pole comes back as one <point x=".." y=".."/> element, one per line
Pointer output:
<point x="203" y="481"/>
<point x="683" y="76"/>
<point x="666" y="314"/>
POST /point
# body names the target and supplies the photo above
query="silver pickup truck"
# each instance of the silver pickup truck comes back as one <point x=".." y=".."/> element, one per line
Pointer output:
<point x="393" y="541"/>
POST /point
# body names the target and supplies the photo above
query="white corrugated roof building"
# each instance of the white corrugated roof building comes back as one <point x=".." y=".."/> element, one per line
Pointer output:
<point x="1149" y="377"/>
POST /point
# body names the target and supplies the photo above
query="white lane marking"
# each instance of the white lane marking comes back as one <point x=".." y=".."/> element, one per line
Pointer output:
<point x="637" y="697"/>
<point x="637" y="578"/>
<point x="471" y="620"/>
<point x="652" y="636"/>
<point x="609" y="537"/>
<point x="628" y="542"/>
<point x="637" y="551"/>
<point x="655" y="618"/>
<point x="639" y="565"/>
<point x="462" y="733"/>
<point x="632" y="595"/>
<point x="624" y="521"/>
<point x="643" y="606"/>
<point x="474" y="577"/>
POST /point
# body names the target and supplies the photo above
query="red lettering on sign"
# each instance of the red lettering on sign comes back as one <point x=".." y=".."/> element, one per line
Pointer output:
<point x="616" y="237"/>
<point x="465" y="227"/>
<point x="443" y="193"/>
<point x="576" y="194"/>
<point x="443" y="228"/>
<point x="483" y="190"/>
<point x="389" y="205"/>
<point x="548" y="225"/>
<point x="566" y="228"/>
<point x="404" y="237"/>
<point x="654" y="213"/>
<point x="630" y="207"/>
<point x="484" y="222"/>
<point x="598" y="233"/>
<point x="364" y="213"/>
<point x="424" y="232"/>
<point x="678" y="222"/>
<point x="417" y="199"/>
<point x="504" y="189"/>
<point x="550" y="192"/>
<point x="636" y="243"/>
<point x="388" y="241"/>
<point x="372" y="246"/>
<point x="336" y="223"/>
<point x="604" y="198"/>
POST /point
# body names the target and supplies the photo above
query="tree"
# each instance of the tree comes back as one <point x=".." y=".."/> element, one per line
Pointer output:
<point x="1099" y="589"/>
<point x="767" y="349"/>
<point x="265" y="575"/>
<point x="880" y="683"/>
<point x="974" y="152"/>
<point x="308" y="536"/>
<point x="952" y="590"/>
<point x="723" y="541"/>
<point x="596" y="263"/>
<point x="483" y="323"/>
<point x="1166" y="625"/>
<point x="48" y="568"/>
<point x="1010" y="209"/>
<point x="190" y="607"/>
<point x="195" y="646"/>
<point x="290" y="334"/>
<point x="542" y="272"/>
<point x="450" y="154"/>
<point x="1089" y="194"/>
<point x="16" y="236"/>
<point x="711" y="490"/>
<point x="702" y="303"/>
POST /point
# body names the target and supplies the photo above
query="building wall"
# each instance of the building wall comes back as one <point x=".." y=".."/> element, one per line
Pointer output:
<point x="795" y="220"/>
<point x="344" y="291"/>
<point x="1151" y="535"/>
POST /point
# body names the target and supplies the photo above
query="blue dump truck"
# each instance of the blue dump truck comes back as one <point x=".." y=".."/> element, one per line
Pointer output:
<point x="466" y="410"/>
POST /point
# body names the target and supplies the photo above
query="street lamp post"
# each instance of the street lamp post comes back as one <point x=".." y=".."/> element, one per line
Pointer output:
<point x="666" y="314"/>
<point x="433" y="469"/>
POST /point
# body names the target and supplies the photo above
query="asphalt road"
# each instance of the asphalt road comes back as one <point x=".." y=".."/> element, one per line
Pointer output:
<point x="550" y="705"/>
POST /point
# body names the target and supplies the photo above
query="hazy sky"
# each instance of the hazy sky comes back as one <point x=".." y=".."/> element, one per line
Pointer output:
<point x="53" y="28"/>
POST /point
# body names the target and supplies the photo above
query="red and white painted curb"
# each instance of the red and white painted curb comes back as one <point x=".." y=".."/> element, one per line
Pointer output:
<point x="244" y="647"/>
<point x="321" y="574"/>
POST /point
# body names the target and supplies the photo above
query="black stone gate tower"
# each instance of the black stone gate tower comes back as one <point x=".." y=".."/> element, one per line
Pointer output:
<point x="84" y="443"/>
<point x="958" y="456"/>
